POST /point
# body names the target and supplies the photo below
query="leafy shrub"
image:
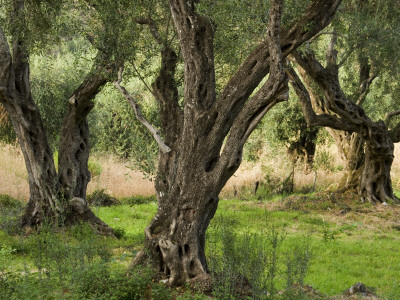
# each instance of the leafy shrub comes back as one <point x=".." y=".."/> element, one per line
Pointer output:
<point x="119" y="232"/>
<point x="75" y="264"/>
<point x="252" y="264"/>
<point x="324" y="161"/>
<point x="101" y="198"/>
<point x="7" y="201"/>
<point x="10" y="212"/>
<point x="134" y="200"/>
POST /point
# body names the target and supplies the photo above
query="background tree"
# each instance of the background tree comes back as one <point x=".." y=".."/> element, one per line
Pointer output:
<point x="340" y="113"/>
<point x="54" y="198"/>
<point x="366" y="40"/>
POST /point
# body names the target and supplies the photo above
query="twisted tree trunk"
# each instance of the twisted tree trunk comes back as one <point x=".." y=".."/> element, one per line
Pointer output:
<point x="351" y="148"/>
<point x="206" y="137"/>
<point x="52" y="200"/>
<point x="342" y="114"/>
<point x="73" y="171"/>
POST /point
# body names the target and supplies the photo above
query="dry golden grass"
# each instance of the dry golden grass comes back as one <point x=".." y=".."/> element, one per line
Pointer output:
<point x="120" y="181"/>
<point x="13" y="176"/>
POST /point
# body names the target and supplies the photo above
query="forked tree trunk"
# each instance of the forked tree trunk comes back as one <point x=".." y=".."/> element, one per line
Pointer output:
<point x="51" y="200"/>
<point x="73" y="171"/>
<point x="206" y="137"/>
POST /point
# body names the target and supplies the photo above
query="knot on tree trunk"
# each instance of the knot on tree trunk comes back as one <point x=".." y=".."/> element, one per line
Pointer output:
<point x="78" y="205"/>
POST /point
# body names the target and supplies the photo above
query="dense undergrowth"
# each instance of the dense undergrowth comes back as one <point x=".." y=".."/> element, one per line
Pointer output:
<point x="257" y="248"/>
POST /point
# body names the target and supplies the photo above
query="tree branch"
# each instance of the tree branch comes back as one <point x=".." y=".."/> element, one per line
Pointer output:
<point x="196" y="42"/>
<point x="390" y="115"/>
<point x="273" y="91"/>
<point x="142" y="79"/>
<point x="394" y="133"/>
<point x="153" y="29"/>
<point x="326" y="32"/>
<point x="311" y="117"/>
<point x="365" y="89"/>
<point x="256" y="66"/>
<point x="136" y="108"/>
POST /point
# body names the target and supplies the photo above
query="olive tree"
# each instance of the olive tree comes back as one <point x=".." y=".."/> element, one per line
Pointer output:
<point x="57" y="198"/>
<point x="336" y="111"/>
<point x="202" y="136"/>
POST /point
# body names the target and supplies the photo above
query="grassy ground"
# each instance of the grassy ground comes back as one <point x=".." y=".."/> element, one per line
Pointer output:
<point x="349" y="242"/>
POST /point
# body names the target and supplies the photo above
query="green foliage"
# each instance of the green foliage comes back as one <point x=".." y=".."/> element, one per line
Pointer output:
<point x="119" y="232"/>
<point x="287" y="123"/>
<point x="7" y="202"/>
<point x="251" y="264"/>
<point x="10" y="212"/>
<point x="54" y="77"/>
<point x="116" y="130"/>
<point x="73" y="265"/>
<point x="101" y="198"/>
<point x="135" y="200"/>
<point x="323" y="161"/>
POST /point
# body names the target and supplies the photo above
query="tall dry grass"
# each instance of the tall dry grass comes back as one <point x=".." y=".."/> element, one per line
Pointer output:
<point x="13" y="175"/>
<point x="120" y="181"/>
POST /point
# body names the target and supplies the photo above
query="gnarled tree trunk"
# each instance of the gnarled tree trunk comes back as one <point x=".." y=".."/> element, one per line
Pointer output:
<point x="52" y="200"/>
<point x="351" y="149"/>
<point x="376" y="184"/>
<point x="342" y="114"/>
<point x="206" y="137"/>
<point x="74" y="174"/>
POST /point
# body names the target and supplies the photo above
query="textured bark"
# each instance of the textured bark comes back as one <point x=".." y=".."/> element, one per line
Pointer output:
<point x="345" y="115"/>
<point x="15" y="95"/>
<point x="73" y="157"/>
<point x="376" y="184"/>
<point x="191" y="176"/>
<point x="304" y="148"/>
<point x="351" y="149"/>
<point x="51" y="199"/>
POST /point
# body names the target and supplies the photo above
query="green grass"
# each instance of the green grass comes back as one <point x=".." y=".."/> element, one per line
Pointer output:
<point x="346" y="248"/>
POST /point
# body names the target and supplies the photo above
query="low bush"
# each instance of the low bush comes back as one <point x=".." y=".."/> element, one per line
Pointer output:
<point x="10" y="213"/>
<point x="7" y="202"/>
<point x="254" y="265"/>
<point x="101" y="198"/>
<point x="134" y="200"/>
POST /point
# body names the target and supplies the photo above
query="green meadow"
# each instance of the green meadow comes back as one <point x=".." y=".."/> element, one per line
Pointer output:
<point x="324" y="241"/>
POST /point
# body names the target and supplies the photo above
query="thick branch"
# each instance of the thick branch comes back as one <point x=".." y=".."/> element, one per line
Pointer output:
<point x="365" y="80"/>
<point x="256" y="66"/>
<point x="273" y="91"/>
<point x="391" y="114"/>
<point x="328" y="80"/>
<point x="196" y="41"/>
<point x="311" y="117"/>
<point x="153" y="29"/>
<point x="136" y="108"/>
<point x="166" y="93"/>
<point x="364" y="90"/>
